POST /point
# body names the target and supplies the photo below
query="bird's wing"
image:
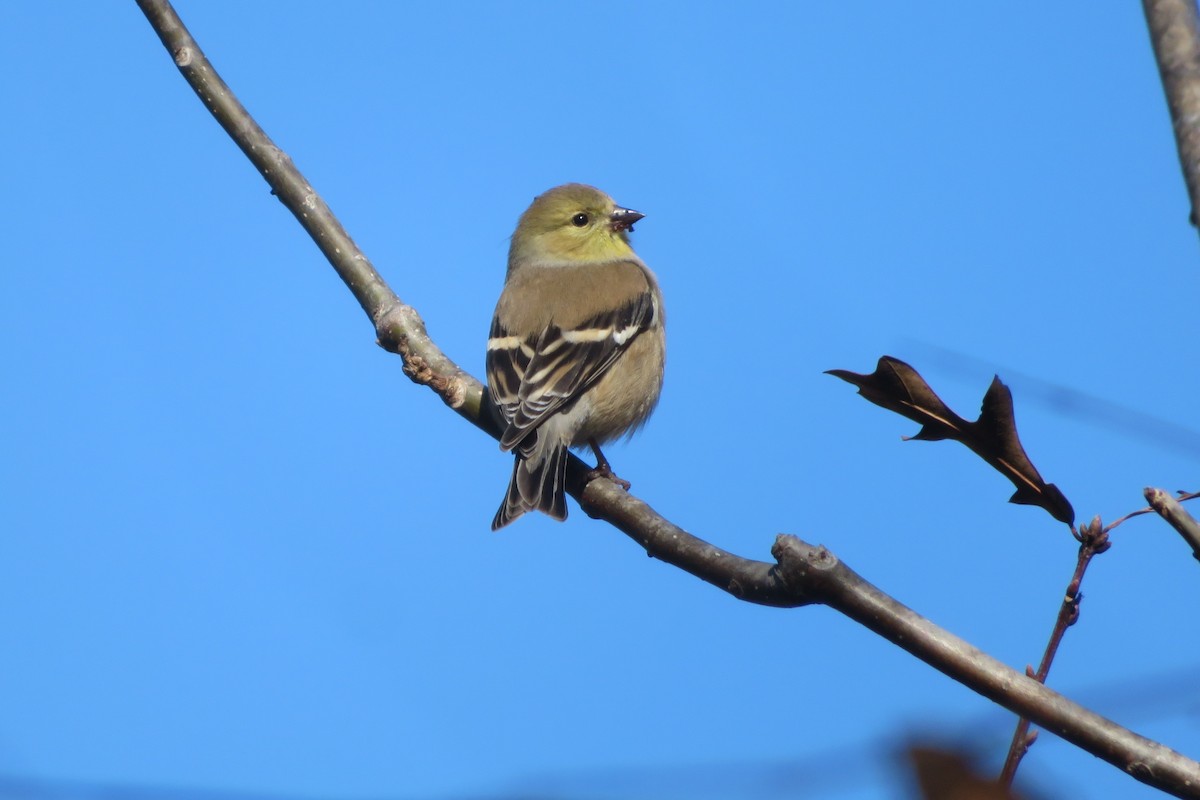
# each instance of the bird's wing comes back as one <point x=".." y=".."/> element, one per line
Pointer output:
<point x="531" y="378"/>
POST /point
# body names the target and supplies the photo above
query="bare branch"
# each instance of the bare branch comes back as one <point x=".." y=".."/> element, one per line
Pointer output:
<point x="1175" y="35"/>
<point x="802" y="575"/>
<point x="1093" y="540"/>
<point x="828" y="581"/>
<point x="1176" y="516"/>
<point x="399" y="328"/>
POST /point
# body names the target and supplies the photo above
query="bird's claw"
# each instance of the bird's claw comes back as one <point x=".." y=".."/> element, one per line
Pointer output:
<point x="606" y="472"/>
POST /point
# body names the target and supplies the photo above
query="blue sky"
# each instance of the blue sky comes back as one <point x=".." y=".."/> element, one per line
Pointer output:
<point x="243" y="554"/>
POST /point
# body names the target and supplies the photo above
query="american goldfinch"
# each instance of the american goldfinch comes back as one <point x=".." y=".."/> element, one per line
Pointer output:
<point x="576" y="350"/>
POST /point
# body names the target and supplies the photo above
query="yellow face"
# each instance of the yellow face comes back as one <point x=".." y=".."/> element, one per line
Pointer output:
<point x="573" y="223"/>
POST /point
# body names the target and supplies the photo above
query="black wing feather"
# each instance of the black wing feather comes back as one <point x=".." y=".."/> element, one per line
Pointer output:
<point x="528" y="383"/>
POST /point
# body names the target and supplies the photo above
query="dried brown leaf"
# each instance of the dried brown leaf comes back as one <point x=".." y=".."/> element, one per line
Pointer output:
<point x="944" y="774"/>
<point x="898" y="387"/>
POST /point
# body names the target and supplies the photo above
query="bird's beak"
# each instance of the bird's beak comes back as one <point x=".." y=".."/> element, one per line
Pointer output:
<point x="623" y="218"/>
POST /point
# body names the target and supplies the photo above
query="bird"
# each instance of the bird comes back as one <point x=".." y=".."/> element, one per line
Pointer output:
<point x="577" y="345"/>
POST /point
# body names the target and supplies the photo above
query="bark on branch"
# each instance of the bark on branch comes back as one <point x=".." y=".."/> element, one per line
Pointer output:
<point x="1170" y="509"/>
<point x="802" y="574"/>
<point x="1175" y="35"/>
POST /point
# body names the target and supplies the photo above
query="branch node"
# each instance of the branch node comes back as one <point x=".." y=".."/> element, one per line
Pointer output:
<point x="390" y="327"/>
<point x="1140" y="770"/>
<point x="801" y="563"/>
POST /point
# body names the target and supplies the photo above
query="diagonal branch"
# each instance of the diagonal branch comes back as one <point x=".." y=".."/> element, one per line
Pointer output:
<point x="828" y="581"/>
<point x="802" y="574"/>
<point x="1175" y="35"/>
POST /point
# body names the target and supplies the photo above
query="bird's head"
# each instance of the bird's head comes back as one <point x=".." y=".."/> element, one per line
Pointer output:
<point x="573" y="224"/>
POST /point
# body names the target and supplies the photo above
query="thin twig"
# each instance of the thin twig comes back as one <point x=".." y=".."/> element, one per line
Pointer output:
<point x="1148" y="509"/>
<point x="1093" y="540"/>
<point x="802" y="575"/>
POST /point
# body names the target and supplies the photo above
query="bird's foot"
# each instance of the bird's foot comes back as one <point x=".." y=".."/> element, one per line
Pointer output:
<point x="604" y="469"/>
<point x="608" y="473"/>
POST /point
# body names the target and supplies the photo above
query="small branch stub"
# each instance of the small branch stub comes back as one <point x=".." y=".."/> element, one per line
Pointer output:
<point x="1176" y="516"/>
<point x="801" y="565"/>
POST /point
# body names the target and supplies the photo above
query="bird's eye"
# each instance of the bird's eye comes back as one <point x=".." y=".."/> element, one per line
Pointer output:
<point x="579" y="220"/>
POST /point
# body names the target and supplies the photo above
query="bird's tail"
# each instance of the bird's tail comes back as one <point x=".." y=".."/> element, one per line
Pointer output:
<point x="538" y="484"/>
